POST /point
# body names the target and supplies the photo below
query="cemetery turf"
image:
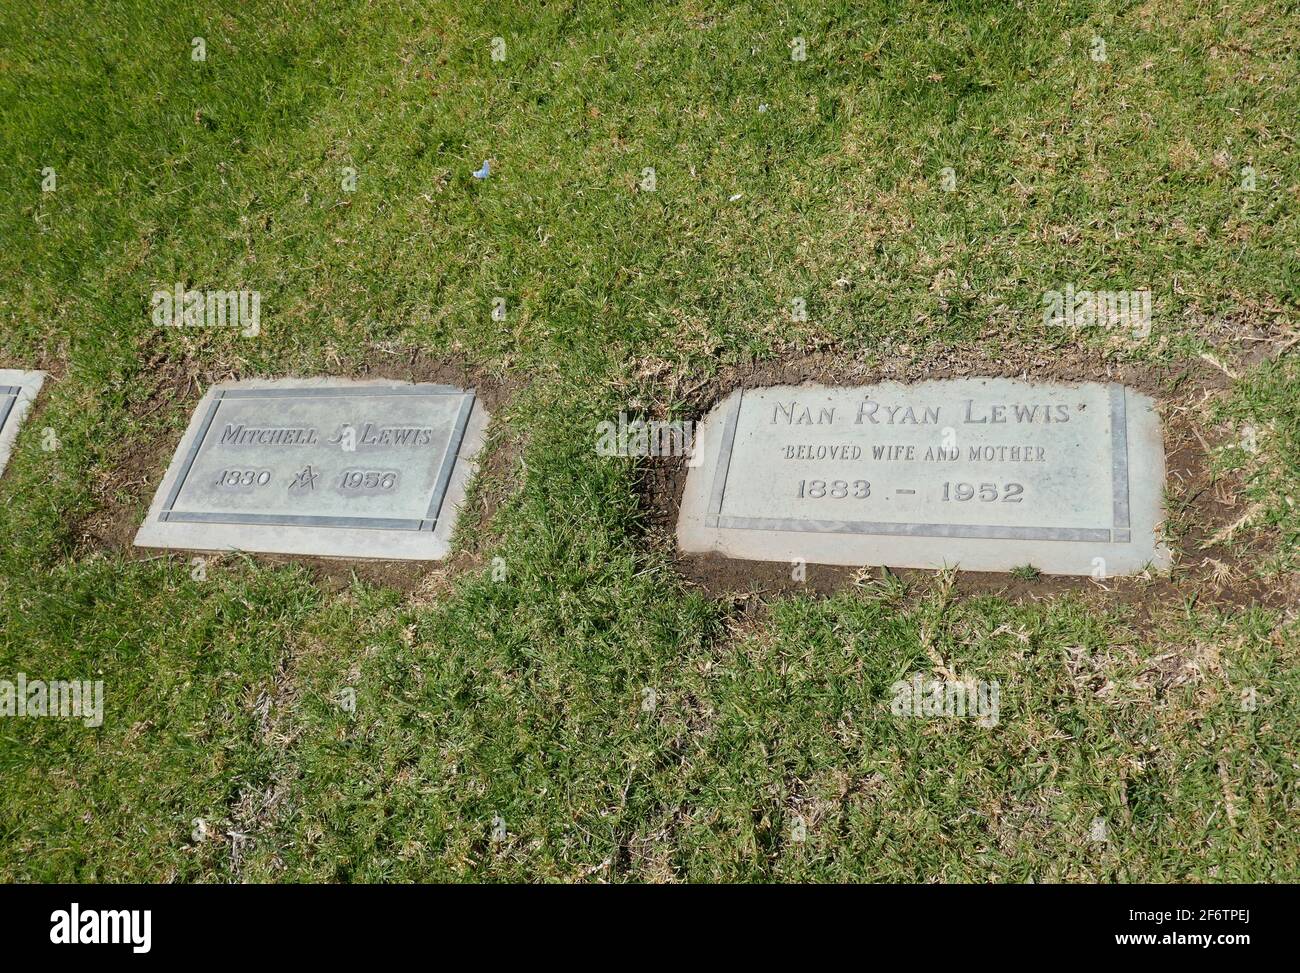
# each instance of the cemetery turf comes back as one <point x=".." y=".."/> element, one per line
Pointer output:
<point x="845" y="193"/>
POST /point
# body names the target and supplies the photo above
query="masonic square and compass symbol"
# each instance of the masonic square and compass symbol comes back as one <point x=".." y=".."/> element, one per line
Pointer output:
<point x="305" y="479"/>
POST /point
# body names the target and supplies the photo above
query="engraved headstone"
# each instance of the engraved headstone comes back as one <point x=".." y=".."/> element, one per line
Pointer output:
<point x="329" y="467"/>
<point x="18" y="390"/>
<point x="981" y="474"/>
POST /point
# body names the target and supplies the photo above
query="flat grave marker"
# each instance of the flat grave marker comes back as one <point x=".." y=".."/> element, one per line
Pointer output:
<point x="328" y="467"/>
<point x="18" y="390"/>
<point x="982" y="474"/>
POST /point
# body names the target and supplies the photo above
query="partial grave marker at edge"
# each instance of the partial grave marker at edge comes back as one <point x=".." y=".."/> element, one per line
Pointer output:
<point x="18" y="391"/>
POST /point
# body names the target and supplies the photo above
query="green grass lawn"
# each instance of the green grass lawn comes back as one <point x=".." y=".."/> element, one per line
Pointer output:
<point x="591" y="715"/>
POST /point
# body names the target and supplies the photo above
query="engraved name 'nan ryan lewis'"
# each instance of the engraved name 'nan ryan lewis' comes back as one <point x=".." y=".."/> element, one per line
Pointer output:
<point x="872" y="412"/>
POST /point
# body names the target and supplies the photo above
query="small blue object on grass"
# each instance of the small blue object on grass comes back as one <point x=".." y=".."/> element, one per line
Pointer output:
<point x="485" y="171"/>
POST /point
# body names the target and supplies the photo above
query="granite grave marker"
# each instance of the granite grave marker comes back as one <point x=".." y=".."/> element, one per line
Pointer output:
<point x="18" y="390"/>
<point x="981" y="474"/>
<point x="331" y="467"/>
